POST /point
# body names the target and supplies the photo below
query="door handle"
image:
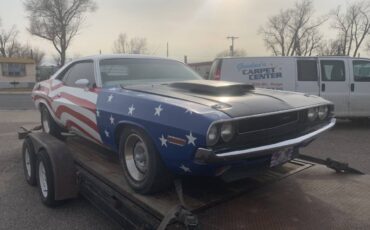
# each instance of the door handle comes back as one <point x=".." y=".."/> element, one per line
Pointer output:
<point x="352" y="87"/>
<point x="323" y="87"/>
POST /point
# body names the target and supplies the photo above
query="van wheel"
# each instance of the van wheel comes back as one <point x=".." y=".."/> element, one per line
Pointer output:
<point x="141" y="163"/>
<point x="29" y="162"/>
<point x="49" y="125"/>
<point x="45" y="179"/>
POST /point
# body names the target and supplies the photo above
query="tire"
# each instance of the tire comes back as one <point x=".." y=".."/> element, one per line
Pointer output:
<point x="141" y="163"/>
<point x="49" y="125"/>
<point x="29" y="162"/>
<point x="45" y="179"/>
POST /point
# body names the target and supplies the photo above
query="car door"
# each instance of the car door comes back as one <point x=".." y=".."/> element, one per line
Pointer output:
<point x="360" y="89"/>
<point x="335" y="84"/>
<point x="77" y="103"/>
<point x="307" y="76"/>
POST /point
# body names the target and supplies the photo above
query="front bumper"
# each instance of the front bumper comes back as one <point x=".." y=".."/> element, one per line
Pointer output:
<point x="205" y="155"/>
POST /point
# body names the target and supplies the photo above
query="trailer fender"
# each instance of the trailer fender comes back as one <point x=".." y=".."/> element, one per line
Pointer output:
<point x="65" y="178"/>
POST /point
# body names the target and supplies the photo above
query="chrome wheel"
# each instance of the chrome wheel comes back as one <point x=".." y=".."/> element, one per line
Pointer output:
<point x="27" y="162"/>
<point x="45" y="121"/>
<point x="136" y="157"/>
<point x="43" y="179"/>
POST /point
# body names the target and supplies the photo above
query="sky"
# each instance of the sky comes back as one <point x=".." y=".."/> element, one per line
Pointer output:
<point x="196" y="28"/>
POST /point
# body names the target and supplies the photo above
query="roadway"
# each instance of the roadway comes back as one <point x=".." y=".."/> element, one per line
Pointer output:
<point x="12" y="101"/>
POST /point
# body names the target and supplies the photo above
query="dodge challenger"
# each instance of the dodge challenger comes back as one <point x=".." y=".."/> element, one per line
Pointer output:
<point x="163" y="119"/>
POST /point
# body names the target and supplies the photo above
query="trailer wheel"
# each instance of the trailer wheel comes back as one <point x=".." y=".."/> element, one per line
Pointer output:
<point x="49" y="126"/>
<point x="45" y="179"/>
<point x="142" y="165"/>
<point x="29" y="161"/>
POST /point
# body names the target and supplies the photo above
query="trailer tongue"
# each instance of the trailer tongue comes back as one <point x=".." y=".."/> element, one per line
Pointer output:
<point x="300" y="194"/>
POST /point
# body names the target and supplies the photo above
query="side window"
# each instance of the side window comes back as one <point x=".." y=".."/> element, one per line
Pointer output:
<point x="80" y="70"/>
<point x="332" y="70"/>
<point x="307" y="70"/>
<point x="361" y="71"/>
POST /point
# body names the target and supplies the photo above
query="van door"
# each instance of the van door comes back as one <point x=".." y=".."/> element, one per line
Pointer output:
<point x="307" y="76"/>
<point x="335" y="84"/>
<point x="360" y="89"/>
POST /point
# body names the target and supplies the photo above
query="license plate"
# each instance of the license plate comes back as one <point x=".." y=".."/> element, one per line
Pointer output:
<point x="281" y="156"/>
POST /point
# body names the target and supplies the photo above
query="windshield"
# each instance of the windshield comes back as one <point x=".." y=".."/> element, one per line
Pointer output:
<point x="132" y="71"/>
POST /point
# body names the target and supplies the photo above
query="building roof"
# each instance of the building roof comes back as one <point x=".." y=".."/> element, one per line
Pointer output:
<point x="16" y="60"/>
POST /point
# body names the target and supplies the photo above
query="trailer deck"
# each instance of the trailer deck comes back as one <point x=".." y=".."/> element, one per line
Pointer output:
<point x="299" y="194"/>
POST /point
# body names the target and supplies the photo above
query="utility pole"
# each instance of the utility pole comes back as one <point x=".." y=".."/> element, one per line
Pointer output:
<point x="186" y="59"/>
<point x="167" y="50"/>
<point x="232" y="44"/>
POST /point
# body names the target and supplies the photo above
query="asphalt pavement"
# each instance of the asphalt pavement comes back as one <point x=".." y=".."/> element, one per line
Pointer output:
<point x="20" y="205"/>
<point x="16" y="101"/>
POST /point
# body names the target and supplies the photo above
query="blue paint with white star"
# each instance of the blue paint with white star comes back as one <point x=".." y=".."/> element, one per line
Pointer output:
<point x="159" y="117"/>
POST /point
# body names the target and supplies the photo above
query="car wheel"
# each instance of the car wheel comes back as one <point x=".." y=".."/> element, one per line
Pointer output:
<point x="142" y="165"/>
<point x="49" y="125"/>
<point x="29" y="162"/>
<point x="45" y="179"/>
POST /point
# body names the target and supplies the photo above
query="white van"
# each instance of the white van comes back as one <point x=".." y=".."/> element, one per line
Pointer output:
<point x="343" y="80"/>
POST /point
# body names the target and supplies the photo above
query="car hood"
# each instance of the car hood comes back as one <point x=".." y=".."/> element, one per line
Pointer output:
<point x="234" y="99"/>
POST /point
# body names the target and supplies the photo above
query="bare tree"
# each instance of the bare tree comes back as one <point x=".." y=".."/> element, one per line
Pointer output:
<point x="37" y="55"/>
<point x="237" y="53"/>
<point x="57" y="21"/>
<point x="353" y="26"/>
<point x="8" y="41"/>
<point x="330" y="48"/>
<point x="136" y="45"/>
<point x="293" y="31"/>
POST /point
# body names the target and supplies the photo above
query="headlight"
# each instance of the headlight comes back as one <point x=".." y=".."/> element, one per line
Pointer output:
<point x="312" y="114"/>
<point x="323" y="112"/>
<point x="213" y="135"/>
<point x="227" y="131"/>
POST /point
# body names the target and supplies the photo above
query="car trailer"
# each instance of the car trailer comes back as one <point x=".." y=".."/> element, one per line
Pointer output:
<point x="305" y="193"/>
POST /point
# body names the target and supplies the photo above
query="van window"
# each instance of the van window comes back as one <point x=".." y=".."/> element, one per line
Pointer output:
<point x="332" y="70"/>
<point x="361" y="71"/>
<point x="307" y="70"/>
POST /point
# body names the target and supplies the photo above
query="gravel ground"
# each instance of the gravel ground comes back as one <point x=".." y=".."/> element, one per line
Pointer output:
<point x="20" y="207"/>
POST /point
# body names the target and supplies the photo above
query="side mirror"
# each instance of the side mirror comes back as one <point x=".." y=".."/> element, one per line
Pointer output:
<point x="82" y="83"/>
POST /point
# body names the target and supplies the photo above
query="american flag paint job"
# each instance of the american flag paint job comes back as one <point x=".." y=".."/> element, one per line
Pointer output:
<point x="176" y="127"/>
<point x="176" y="120"/>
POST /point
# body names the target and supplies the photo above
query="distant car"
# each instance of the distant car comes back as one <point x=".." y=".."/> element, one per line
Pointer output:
<point x="164" y="120"/>
<point x="345" y="81"/>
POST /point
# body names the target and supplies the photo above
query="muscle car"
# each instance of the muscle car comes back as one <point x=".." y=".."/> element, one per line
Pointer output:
<point x="163" y="119"/>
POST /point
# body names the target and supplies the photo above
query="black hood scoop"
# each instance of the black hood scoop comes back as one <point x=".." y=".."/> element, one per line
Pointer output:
<point x="216" y="88"/>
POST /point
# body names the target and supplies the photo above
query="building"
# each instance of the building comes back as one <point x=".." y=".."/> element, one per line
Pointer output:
<point x="202" y="68"/>
<point x="17" y="72"/>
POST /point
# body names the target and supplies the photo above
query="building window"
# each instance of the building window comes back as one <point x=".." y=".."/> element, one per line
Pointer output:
<point x="13" y="69"/>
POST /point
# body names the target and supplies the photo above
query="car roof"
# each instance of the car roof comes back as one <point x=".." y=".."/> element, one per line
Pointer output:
<point x="117" y="56"/>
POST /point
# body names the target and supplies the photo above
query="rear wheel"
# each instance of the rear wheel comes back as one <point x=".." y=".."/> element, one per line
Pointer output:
<point x="141" y="163"/>
<point x="29" y="162"/>
<point x="49" y="125"/>
<point x="45" y="179"/>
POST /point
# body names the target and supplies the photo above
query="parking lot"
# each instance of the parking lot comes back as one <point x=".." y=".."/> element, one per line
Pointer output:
<point x="20" y="207"/>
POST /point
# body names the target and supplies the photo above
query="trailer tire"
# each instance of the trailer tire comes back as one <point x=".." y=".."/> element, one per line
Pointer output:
<point x="154" y="175"/>
<point x="48" y="124"/>
<point x="29" y="161"/>
<point x="45" y="179"/>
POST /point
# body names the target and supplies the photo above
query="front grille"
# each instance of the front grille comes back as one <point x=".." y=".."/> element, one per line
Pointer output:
<point x="259" y="131"/>
<point x="254" y="124"/>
